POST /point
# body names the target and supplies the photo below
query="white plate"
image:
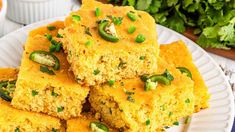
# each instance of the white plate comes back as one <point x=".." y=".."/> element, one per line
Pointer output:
<point x="217" y="118"/>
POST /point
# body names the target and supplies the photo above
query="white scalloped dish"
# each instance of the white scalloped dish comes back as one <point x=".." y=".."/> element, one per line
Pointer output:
<point x="217" y="118"/>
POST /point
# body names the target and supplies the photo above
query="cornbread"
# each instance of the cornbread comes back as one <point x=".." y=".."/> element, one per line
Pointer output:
<point x="178" y="54"/>
<point x="82" y="124"/>
<point x="12" y="119"/>
<point x="95" y="60"/>
<point x="57" y="95"/>
<point x="126" y="105"/>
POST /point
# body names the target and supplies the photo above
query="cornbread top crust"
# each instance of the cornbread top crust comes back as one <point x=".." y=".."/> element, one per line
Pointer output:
<point x="172" y="96"/>
<point x="11" y="118"/>
<point x="30" y="70"/>
<point x="105" y="55"/>
<point x="8" y="74"/>
<point x="178" y="54"/>
<point x="144" y="24"/>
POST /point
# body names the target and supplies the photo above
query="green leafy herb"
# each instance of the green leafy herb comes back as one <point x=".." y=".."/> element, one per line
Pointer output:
<point x="60" y="109"/>
<point x="52" y="48"/>
<point x="97" y="12"/>
<point x="17" y="129"/>
<point x="54" y="130"/>
<point x="111" y="82"/>
<point x="54" y="94"/>
<point x="130" y="98"/>
<point x="76" y="18"/>
<point x="96" y="72"/>
<point x="213" y="20"/>
<point x="34" y="92"/>
<point x="176" y="123"/>
<point x="88" y="43"/>
<point x="117" y="20"/>
<point x="45" y="69"/>
<point x="142" y="57"/>
<point x="147" y="122"/>
<point x="51" y="28"/>
<point x="187" y="101"/>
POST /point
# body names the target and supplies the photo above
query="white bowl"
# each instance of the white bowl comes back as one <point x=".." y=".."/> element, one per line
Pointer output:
<point x="30" y="11"/>
<point x="2" y="15"/>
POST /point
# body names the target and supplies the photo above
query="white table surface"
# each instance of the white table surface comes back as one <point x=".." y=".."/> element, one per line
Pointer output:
<point x="227" y="65"/>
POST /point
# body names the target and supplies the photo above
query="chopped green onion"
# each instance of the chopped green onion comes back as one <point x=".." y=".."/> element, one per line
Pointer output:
<point x="96" y="72"/>
<point x="117" y="20"/>
<point x="17" y="129"/>
<point x="130" y="98"/>
<point x="140" y="38"/>
<point x="97" y="12"/>
<point x="34" y="93"/>
<point x="111" y="82"/>
<point x="147" y="122"/>
<point x="176" y="123"/>
<point x="58" y="47"/>
<point x="142" y="57"/>
<point x="60" y="109"/>
<point x="59" y="36"/>
<point x="54" y="94"/>
<point x="54" y="130"/>
<point x="187" y="101"/>
<point x="48" y="36"/>
<point x="76" y="18"/>
<point x="131" y="16"/>
<point x="51" y="28"/>
<point x="88" y="43"/>
<point x="131" y="29"/>
<point x="45" y="69"/>
<point x="52" y="48"/>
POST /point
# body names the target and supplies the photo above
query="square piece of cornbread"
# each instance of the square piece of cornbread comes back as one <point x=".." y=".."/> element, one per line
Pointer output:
<point x="126" y="105"/>
<point x="57" y="95"/>
<point x="178" y="54"/>
<point x="12" y="119"/>
<point x="96" y="60"/>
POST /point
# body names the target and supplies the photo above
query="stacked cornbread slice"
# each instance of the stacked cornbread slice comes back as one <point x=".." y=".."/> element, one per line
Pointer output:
<point x="109" y="43"/>
<point x="111" y="60"/>
<point x="12" y="119"/>
<point x="39" y="90"/>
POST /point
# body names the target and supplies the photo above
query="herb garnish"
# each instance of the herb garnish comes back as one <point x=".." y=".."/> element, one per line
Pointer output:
<point x="51" y="28"/>
<point x="60" y="109"/>
<point x="130" y="98"/>
<point x="96" y="72"/>
<point x="34" y="92"/>
<point x="147" y="122"/>
<point x="76" y="18"/>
